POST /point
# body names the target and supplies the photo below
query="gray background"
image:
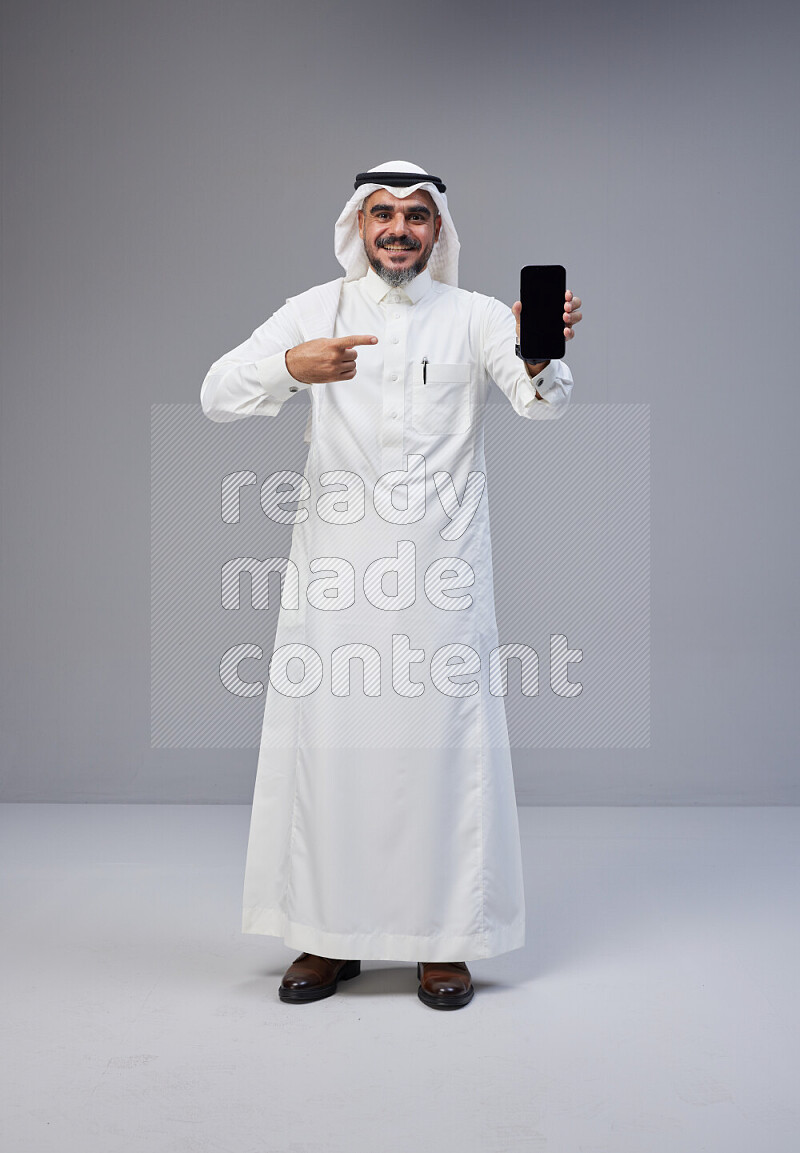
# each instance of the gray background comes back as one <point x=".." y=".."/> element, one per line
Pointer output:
<point x="172" y="171"/>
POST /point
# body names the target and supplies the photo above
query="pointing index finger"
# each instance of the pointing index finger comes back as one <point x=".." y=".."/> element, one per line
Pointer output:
<point x="352" y="341"/>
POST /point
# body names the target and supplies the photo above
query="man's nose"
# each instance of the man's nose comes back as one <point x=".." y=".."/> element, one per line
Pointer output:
<point x="399" y="224"/>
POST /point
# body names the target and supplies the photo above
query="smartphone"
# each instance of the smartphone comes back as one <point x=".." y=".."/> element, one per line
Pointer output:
<point x="541" y="330"/>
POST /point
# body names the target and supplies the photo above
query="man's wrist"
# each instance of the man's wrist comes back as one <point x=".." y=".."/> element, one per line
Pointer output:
<point x="542" y="376"/>
<point x="533" y="368"/>
<point x="275" y="378"/>
<point x="288" y="366"/>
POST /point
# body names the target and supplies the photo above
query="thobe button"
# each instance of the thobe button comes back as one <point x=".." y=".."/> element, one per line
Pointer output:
<point x="395" y="340"/>
<point x="394" y="376"/>
<point x="394" y="416"/>
<point x="396" y="315"/>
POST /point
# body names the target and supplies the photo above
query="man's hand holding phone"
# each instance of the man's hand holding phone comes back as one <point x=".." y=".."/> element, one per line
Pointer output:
<point x="571" y="315"/>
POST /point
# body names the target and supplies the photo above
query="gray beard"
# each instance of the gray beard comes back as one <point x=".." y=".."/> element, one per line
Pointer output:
<point x="397" y="277"/>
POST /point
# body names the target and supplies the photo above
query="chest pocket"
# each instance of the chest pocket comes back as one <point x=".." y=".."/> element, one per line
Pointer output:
<point x="441" y="399"/>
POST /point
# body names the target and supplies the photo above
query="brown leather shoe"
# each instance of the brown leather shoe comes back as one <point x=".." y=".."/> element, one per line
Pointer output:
<point x="444" y="984"/>
<point x="310" y="978"/>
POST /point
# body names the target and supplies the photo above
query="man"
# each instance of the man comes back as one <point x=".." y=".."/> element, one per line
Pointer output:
<point x="384" y="820"/>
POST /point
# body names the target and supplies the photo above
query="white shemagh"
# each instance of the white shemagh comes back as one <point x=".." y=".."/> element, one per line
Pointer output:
<point x="349" y="247"/>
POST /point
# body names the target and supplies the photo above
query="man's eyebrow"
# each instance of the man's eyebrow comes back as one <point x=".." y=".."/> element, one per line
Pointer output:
<point x="420" y="209"/>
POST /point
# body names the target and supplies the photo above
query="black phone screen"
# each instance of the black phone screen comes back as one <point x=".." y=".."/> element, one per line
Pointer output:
<point x="542" y="289"/>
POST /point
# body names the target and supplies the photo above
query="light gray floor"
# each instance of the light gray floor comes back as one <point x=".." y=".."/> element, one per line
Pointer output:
<point x="654" y="1007"/>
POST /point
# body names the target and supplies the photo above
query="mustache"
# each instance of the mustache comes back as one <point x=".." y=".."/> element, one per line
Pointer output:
<point x="409" y="242"/>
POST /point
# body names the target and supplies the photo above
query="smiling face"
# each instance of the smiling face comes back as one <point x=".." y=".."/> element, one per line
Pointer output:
<point x="398" y="234"/>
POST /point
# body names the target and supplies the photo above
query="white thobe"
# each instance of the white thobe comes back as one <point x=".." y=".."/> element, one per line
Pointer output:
<point x="384" y="821"/>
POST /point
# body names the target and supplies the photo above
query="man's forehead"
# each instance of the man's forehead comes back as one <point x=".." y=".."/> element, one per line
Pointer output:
<point x="383" y="196"/>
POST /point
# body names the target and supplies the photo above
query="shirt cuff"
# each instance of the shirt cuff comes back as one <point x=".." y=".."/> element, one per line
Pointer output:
<point x="544" y="382"/>
<point x="275" y="378"/>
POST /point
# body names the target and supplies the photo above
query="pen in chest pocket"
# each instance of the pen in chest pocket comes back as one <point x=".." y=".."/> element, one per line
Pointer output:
<point x="424" y="370"/>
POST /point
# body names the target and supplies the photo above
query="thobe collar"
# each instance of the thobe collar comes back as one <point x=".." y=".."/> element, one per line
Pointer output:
<point x="414" y="290"/>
